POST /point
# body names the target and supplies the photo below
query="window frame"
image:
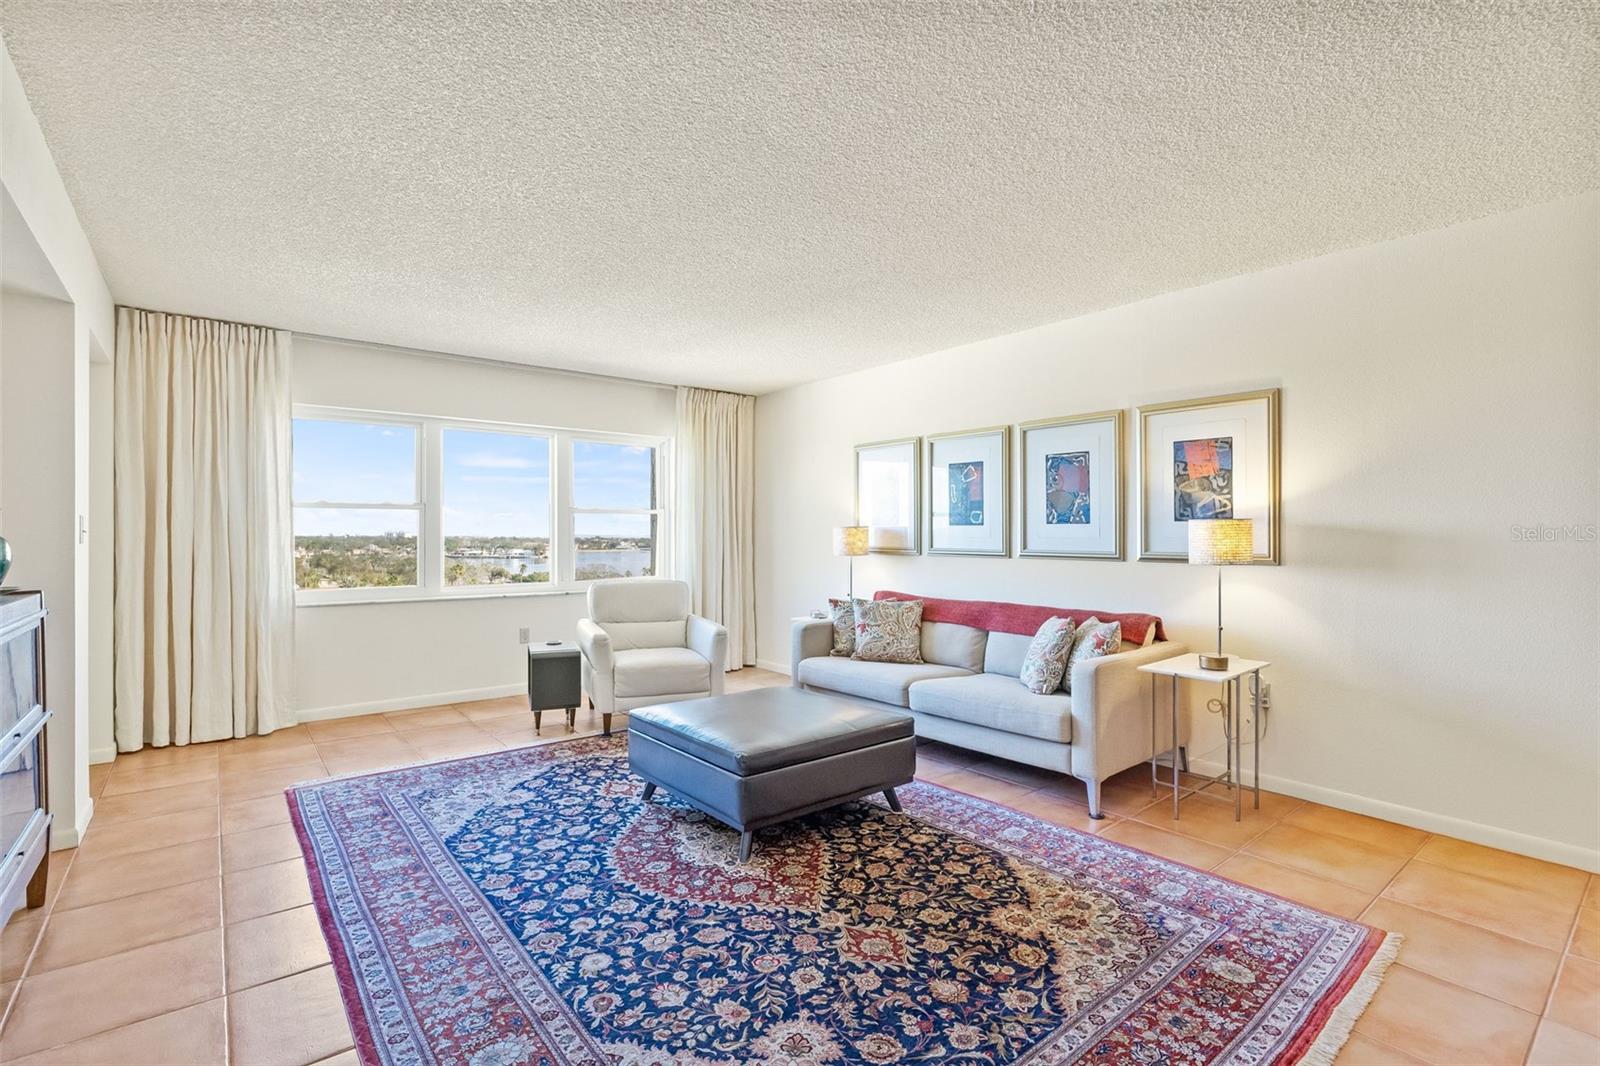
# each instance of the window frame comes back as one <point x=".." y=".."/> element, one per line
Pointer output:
<point x="430" y="430"/>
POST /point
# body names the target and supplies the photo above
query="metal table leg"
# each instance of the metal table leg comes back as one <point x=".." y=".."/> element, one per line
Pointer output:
<point x="1238" y="752"/>
<point x="1153" y="750"/>
<point x="1255" y="713"/>
<point x="1174" y="747"/>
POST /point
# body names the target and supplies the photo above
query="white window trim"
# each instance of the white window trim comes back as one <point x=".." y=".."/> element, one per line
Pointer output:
<point x="430" y="585"/>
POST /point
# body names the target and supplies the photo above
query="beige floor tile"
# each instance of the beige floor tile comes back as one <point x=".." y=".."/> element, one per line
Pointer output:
<point x="425" y="717"/>
<point x="946" y="753"/>
<point x="1362" y="1050"/>
<point x="260" y="890"/>
<point x="273" y="946"/>
<point x="147" y="834"/>
<point x="258" y="847"/>
<point x="1125" y="797"/>
<point x="1515" y="912"/>
<point x="1400" y="839"/>
<point x="1559" y="1045"/>
<point x="520" y="730"/>
<point x="255" y="813"/>
<point x="1336" y="858"/>
<point x="99" y="774"/>
<point x="1586" y="937"/>
<point x="98" y="880"/>
<point x="268" y="758"/>
<point x="1061" y="812"/>
<point x="1303" y="888"/>
<point x="983" y="786"/>
<point x="256" y="1030"/>
<point x="483" y="710"/>
<point x="1017" y="773"/>
<point x="129" y="922"/>
<point x="345" y="728"/>
<point x="175" y="800"/>
<point x="451" y="741"/>
<point x="169" y="755"/>
<point x="1561" y="883"/>
<point x="1209" y="818"/>
<point x="192" y="1036"/>
<point x="1576" y="1000"/>
<point x="125" y="780"/>
<point x="344" y="1058"/>
<point x="17" y="941"/>
<point x="272" y="781"/>
<point x="1443" y="1023"/>
<point x="290" y="736"/>
<point x="1512" y="971"/>
<point x="1591" y="898"/>
<point x="362" y="754"/>
<point x="78" y="1001"/>
<point x="1187" y="850"/>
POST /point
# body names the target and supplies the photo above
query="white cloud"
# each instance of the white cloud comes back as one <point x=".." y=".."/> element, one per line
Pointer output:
<point x="490" y="461"/>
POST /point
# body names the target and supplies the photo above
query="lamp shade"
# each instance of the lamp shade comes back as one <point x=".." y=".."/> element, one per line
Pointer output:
<point x="1221" y="541"/>
<point x="849" y="540"/>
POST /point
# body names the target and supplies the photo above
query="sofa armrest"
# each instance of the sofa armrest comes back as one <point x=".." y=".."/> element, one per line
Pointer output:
<point x="1111" y="711"/>
<point x="595" y="644"/>
<point x="709" y="640"/>
<point x="809" y="638"/>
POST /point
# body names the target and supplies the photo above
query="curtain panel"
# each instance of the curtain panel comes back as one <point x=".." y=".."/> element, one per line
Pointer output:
<point x="716" y="515"/>
<point x="204" y="590"/>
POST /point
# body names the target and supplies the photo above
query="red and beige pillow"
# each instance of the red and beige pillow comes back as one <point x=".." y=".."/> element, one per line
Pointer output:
<point x="1092" y="639"/>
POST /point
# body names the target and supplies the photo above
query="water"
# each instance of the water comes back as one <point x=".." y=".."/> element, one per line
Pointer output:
<point x="631" y="560"/>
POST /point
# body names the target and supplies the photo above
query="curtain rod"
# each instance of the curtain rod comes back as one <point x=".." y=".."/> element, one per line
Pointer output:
<point x="429" y="353"/>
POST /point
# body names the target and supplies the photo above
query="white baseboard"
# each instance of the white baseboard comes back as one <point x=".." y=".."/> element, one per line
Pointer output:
<point x="405" y="703"/>
<point x="1476" y="832"/>
<point x="102" y="755"/>
<point x="773" y="665"/>
<point x="63" y="837"/>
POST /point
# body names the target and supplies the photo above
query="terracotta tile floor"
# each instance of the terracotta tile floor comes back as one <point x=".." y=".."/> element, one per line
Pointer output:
<point x="181" y="931"/>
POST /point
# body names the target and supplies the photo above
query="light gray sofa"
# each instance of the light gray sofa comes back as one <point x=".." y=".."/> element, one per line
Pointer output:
<point x="967" y="692"/>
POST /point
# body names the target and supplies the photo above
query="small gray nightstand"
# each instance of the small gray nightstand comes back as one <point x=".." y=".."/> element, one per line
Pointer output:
<point x="554" y="683"/>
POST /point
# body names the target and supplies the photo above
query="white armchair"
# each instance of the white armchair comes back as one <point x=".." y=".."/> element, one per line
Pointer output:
<point x="642" y="645"/>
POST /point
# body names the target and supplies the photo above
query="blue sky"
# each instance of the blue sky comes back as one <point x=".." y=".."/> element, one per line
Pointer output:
<point x="495" y="484"/>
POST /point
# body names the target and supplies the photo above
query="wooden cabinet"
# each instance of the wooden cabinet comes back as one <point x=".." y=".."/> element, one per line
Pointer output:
<point x="24" y="782"/>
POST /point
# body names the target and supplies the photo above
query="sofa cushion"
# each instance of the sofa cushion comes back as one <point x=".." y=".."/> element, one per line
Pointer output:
<point x="884" y="682"/>
<point x="660" y="672"/>
<point x="953" y="644"/>
<point x="1004" y="652"/>
<point x="996" y="702"/>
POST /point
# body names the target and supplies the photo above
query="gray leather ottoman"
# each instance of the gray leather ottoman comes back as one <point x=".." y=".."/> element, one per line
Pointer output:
<point x="752" y="759"/>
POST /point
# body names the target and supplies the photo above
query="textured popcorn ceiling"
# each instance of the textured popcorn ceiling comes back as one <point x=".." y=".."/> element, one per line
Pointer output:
<point x="754" y="194"/>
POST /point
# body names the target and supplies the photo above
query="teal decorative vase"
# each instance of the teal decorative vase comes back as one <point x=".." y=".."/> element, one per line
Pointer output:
<point x="5" y="559"/>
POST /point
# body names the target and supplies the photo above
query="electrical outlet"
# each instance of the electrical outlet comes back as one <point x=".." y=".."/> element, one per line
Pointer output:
<point x="522" y="635"/>
<point x="1266" y="697"/>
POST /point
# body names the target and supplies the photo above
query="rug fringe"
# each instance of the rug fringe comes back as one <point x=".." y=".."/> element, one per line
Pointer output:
<point x="1326" y="1047"/>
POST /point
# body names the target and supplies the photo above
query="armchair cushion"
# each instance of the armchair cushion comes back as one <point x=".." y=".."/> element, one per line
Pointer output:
<point x="641" y="612"/>
<point x="660" y="672"/>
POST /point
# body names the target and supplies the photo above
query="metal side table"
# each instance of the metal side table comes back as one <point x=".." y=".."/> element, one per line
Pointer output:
<point x="554" y="683"/>
<point x="1232" y="679"/>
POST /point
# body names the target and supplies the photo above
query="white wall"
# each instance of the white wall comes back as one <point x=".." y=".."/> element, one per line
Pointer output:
<point x="351" y="658"/>
<point x="1437" y="391"/>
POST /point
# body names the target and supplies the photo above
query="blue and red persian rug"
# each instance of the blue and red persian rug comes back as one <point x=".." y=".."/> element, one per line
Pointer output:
<point x="527" y="907"/>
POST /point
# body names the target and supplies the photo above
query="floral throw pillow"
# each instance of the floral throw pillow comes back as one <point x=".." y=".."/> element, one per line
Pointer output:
<point x="1046" y="660"/>
<point x="842" y="613"/>
<point x="1093" y="639"/>
<point x="888" y="631"/>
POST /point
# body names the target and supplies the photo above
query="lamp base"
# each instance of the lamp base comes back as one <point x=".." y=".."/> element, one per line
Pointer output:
<point x="1213" y="662"/>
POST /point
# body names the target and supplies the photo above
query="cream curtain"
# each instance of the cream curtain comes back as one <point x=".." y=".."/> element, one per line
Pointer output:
<point x="716" y="515"/>
<point x="204" y="608"/>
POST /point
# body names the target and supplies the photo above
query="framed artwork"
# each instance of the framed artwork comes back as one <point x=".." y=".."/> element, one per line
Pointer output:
<point x="1072" y="486"/>
<point x="1211" y="458"/>
<point x="889" y="495"/>
<point x="968" y="508"/>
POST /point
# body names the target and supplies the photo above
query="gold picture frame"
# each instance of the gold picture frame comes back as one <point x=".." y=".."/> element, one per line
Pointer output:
<point x="997" y="442"/>
<point x="1116" y="465"/>
<point x="914" y="517"/>
<point x="1158" y="497"/>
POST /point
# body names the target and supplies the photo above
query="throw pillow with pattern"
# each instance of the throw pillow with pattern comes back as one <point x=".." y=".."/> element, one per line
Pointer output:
<point x="888" y="631"/>
<point x="1046" y="660"/>
<point x="842" y="613"/>
<point x="1093" y="639"/>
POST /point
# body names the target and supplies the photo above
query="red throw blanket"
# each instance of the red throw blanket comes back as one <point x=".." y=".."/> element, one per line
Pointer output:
<point x="1021" y="618"/>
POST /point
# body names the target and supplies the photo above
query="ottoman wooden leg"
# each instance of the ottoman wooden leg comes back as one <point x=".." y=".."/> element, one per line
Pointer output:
<point x="649" y="790"/>
<point x="572" y="717"/>
<point x="536" y="716"/>
<point x="747" y="839"/>
<point x="894" y="801"/>
<point x="605" y="724"/>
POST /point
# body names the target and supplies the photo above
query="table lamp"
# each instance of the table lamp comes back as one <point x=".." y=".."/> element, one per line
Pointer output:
<point x="1220" y="542"/>
<point x="850" y="541"/>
